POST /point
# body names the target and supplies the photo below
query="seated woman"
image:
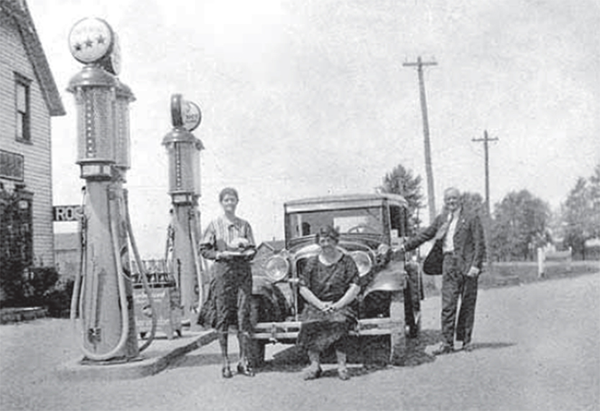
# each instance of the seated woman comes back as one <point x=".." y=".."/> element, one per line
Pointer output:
<point x="329" y="284"/>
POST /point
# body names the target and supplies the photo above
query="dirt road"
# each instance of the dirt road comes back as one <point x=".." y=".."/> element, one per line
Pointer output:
<point x="536" y="348"/>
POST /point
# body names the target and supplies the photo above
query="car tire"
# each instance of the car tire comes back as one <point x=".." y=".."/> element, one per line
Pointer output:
<point x="412" y="304"/>
<point x="256" y="348"/>
<point x="397" y="335"/>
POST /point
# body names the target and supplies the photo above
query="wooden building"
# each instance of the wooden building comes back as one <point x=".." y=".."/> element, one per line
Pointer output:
<point x="28" y="99"/>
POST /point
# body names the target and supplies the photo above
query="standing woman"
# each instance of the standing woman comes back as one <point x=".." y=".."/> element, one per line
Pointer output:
<point x="228" y="241"/>
<point x="329" y="284"/>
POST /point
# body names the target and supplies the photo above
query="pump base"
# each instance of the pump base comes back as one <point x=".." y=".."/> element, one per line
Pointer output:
<point x="157" y="357"/>
<point x="113" y="361"/>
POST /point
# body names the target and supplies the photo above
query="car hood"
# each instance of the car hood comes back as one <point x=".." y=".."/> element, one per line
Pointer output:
<point x="305" y="246"/>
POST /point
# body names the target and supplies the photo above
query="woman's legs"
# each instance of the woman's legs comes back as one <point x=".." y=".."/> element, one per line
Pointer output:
<point x="315" y="359"/>
<point x="244" y="324"/>
<point x="244" y="343"/>
<point x="226" y="371"/>
<point x="340" y="353"/>
<point x="314" y="369"/>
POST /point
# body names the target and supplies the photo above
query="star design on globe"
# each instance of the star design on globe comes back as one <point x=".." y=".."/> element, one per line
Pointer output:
<point x="89" y="43"/>
<point x="100" y="39"/>
<point x="77" y="46"/>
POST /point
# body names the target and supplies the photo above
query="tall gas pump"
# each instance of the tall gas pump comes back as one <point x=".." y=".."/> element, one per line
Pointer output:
<point x="103" y="291"/>
<point x="183" y="150"/>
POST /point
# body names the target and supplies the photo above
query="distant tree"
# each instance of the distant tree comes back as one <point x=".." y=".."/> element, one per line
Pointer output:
<point x="520" y="225"/>
<point x="581" y="213"/>
<point x="402" y="181"/>
<point x="472" y="201"/>
<point x="595" y="197"/>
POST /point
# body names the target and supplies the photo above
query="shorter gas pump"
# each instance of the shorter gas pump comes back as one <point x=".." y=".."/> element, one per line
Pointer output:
<point x="183" y="151"/>
<point x="102" y="295"/>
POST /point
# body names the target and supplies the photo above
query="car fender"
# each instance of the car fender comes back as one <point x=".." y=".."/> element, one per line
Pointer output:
<point x="391" y="278"/>
<point x="262" y="287"/>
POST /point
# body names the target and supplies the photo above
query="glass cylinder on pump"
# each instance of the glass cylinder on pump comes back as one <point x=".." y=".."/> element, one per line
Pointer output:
<point x="95" y="96"/>
<point x="124" y="96"/>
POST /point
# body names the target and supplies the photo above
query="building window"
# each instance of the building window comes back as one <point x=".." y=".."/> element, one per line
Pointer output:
<point x="12" y="166"/>
<point x="22" y="108"/>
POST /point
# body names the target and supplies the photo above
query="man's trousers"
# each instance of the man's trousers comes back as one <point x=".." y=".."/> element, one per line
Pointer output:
<point x="457" y="284"/>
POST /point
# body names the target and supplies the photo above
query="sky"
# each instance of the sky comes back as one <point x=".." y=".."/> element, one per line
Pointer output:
<point x="309" y="98"/>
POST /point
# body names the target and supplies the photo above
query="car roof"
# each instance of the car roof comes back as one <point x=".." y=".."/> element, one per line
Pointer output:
<point x="344" y="201"/>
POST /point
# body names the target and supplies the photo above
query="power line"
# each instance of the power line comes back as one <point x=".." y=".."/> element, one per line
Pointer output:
<point x="428" y="168"/>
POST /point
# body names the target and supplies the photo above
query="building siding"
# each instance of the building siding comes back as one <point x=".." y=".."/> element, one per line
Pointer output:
<point x="37" y="155"/>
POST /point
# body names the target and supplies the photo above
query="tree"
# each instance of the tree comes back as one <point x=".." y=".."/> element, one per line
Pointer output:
<point x="401" y="181"/>
<point x="472" y="201"/>
<point x="581" y="213"/>
<point x="595" y="198"/>
<point x="520" y="225"/>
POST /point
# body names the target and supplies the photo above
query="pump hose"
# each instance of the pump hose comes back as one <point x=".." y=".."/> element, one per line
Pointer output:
<point x="122" y="296"/>
<point x="192" y="230"/>
<point x="145" y="284"/>
<point x="77" y="285"/>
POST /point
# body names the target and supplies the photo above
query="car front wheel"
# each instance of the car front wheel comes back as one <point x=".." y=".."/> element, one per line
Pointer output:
<point x="397" y="335"/>
<point x="256" y="349"/>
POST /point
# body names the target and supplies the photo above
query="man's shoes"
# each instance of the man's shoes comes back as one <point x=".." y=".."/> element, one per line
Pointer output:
<point x="245" y="369"/>
<point x="312" y="373"/>
<point x="343" y="374"/>
<point x="226" y="372"/>
<point x="444" y="349"/>
<point x="467" y="347"/>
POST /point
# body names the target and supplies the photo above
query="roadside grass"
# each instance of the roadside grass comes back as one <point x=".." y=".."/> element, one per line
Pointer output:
<point x="521" y="272"/>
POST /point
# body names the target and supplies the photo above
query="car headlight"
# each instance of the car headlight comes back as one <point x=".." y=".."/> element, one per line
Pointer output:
<point x="277" y="268"/>
<point x="363" y="262"/>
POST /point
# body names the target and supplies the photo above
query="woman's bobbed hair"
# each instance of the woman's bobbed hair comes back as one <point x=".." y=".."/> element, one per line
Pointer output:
<point x="327" y="231"/>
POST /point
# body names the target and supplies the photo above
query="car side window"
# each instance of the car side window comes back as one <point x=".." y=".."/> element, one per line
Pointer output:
<point x="398" y="220"/>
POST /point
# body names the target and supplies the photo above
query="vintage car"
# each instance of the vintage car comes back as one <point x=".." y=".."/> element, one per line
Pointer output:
<point x="372" y="227"/>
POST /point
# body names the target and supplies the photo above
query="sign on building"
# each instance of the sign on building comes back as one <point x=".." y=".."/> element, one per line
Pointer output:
<point x="66" y="213"/>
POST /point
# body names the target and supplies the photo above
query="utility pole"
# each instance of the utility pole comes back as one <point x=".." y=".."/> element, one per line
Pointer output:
<point x="486" y="139"/>
<point x="428" y="169"/>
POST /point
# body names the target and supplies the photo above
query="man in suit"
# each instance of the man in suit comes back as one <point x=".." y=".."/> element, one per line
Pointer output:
<point x="460" y="249"/>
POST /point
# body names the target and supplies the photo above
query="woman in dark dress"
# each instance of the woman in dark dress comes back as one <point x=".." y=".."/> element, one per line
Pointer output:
<point x="329" y="284"/>
<point x="228" y="241"/>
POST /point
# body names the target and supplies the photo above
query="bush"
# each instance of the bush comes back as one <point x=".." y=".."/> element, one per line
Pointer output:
<point x="58" y="299"/>
<point x="13" y="282"/>
<point x="41" y="287"/>
<point x="41" y="281"/>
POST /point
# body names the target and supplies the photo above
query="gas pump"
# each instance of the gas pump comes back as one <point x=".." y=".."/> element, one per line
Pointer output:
<point x="183" y="150"/>
<point x="102" y="296"/>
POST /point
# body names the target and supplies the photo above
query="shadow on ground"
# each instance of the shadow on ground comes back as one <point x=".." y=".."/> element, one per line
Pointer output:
<point x="373" y="353"/>
<point x="491" y="345"/>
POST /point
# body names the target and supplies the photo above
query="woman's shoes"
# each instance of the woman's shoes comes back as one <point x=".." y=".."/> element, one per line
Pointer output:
<point x="245" y="369"/>
<point x="226" y="372"/>
<point x="343" y="374"/>
<point x="312" y="373"/>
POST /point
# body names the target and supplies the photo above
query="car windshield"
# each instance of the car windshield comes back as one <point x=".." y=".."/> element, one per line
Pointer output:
<point x="351" y="221"/>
